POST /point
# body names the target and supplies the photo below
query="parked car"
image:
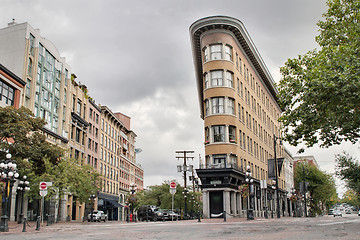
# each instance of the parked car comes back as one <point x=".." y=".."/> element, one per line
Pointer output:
<point x="171" y="215"/>
<point x="337" y="213"/>
<point x="97" y="216"/>
<point x="359" y="213"/>
<point x="331" y="211"/>
<point x="348" y="211"/>
<point x="152" y="213"/>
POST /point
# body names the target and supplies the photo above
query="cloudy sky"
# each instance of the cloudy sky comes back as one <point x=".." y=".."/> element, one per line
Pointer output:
<point x="135" y="57"/>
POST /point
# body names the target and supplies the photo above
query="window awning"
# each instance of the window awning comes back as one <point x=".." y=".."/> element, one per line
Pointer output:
<point x="114" y="203"/>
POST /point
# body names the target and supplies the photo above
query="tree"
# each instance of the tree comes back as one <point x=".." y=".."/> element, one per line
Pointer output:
<point x="321" y="186"/>
<point x="348" y="169"/>
<point x="40" y="160"/>
<point x="159" y="195"/>
<point x="351" y="197"/>
<point x="320" y="91"/>
<point x="20" y="133"/>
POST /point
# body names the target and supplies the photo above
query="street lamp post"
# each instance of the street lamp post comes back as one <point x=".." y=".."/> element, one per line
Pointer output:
<point x="22" y="187"/>
<point x="250" y="180"/>
<point x="185" y="202"/>
<point x="9" y="174"/>
<point x="92" y="201"/>
<point x="132" y="191"/>
<point x="276" y="178"/>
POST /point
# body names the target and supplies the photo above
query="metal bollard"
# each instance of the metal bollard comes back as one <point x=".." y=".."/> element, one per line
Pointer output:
<point x="38" y="223"/>
<point x="224" y="216"/>
<point x="24" y="226"/>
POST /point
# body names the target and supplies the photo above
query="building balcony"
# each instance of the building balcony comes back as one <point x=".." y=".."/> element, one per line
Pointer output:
<point x="221" y="175"/>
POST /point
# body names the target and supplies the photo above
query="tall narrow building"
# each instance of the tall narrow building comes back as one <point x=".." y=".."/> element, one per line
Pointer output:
<point x="238" y="104"/>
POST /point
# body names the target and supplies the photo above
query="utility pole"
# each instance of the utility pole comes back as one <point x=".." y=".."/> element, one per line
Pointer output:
<point x="184" y="169"/>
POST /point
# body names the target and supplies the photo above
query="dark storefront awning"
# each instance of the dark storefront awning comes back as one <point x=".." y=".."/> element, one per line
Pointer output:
<point x="114" y="203"/>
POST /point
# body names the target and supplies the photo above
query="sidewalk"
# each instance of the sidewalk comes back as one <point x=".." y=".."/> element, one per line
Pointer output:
<point x="15" y="228"/>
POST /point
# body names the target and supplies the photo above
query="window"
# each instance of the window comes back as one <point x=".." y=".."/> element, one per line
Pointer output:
<point x="241" y="89"/>
<point x="232" y="137"/>
<point x="27" y="89"/>
<point x="207" y="135"/>
<point x="90" y="113"/>
<point x="77" y="135"/>
<point x="219" y="133"/>
<point x="216" y="78"/>
<point x="217" y="105"/>
<point x="32" y="44"/>
<point x="30" y="67"/>
<point x="207" y="107"/>
<point x="240" y="138"/>
<point x="219" y="158"/>
<point x="237" y="61"/>
<point x="78" y="107"/>
<point x="229" y="79"/>
<point x="215" y="52"/>
<point x="206" y="56"/>
<point x="238" y="86"/>
<point x="207" y="85"/>
<point x="228" y="53"/>
<point x="231" y="106"/>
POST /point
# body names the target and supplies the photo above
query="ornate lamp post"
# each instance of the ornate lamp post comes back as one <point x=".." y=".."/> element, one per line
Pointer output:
<point x="249" y="180"/>
<point x="9" y="174"/>
<point x="132" y="200"/>
<point x="22" y="187"/>
<point x="185" y="203"/>
<point x="277" y="177"/>
<point x="92" y="201"/>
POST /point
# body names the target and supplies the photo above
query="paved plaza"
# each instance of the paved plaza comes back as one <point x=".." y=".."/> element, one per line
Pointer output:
<point x="325" y="227"/>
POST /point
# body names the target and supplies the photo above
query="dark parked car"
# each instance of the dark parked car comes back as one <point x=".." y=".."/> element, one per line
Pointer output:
<point x="151" y="213"/>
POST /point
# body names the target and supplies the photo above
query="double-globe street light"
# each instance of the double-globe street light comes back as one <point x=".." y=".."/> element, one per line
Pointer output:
<point x="249" y="180"/>
<point x="22" y="187"/>
<point x="277" y="177"/>
<point x="9" y="174"/>
<point x="92" y="201"/>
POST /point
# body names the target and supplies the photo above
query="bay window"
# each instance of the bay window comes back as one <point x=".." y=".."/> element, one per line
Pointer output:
<point x="218" y="133"/>
<point x="232" y="137"/>
<point x="231" y="106"/>
<point x="228" y="53"/>
<point x="217" y="78"/>
<point x="215" y="52"/>
<point x="229" y="79"/>
<point x="217" y="105"/>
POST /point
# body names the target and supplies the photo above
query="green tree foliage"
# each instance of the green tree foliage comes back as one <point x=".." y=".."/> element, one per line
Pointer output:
<point x="320" y="90"/>
<point x="23" y="129"/>
<point x="351" y="197"/>
<point x="68" y="177"/>
<point x="159" y="195"/>
<point x="41" y="160"/>
<point x="321" y="186"/>
<point x="348" y="169"/>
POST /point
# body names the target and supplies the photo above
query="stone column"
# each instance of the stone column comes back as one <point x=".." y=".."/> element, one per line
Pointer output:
<point x="206" y="207"/>
<point x="226" y="204"/>
<point x="13" y="201"/>
<point x="233" y="203"/>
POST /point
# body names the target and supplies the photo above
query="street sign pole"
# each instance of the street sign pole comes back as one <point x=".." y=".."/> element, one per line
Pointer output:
<point x="172" y="207"/>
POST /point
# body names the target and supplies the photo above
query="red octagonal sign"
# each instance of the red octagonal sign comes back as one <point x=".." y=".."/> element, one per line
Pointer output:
<point x="173" y="185"/>
<point x="43" y="185"/>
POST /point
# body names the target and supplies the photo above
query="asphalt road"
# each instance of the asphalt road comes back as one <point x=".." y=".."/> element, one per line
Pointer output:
<point x="325" y="227"/>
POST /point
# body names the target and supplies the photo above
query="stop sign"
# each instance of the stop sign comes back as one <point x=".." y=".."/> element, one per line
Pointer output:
<point x="173" y="185"/>
<point x="43" y="185"/>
